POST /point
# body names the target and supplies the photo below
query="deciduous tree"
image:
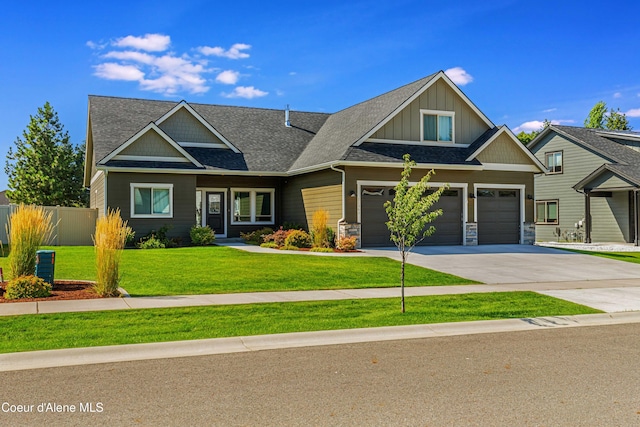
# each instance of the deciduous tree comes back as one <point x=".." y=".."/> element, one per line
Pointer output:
<point x="410" y="214"/>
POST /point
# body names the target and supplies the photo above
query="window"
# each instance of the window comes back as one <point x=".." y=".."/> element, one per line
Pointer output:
<point x="547" y="212"/>
<point x="253" y="206"/>
<point x="554" y="162"/>
<point x="437" y="126"/>
<point x="151" y="200"/>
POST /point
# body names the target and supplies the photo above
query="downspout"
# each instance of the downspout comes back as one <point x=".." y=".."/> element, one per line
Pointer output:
<point x="635" y="211"/>
<point x="106" y="204"/>
<point x="344" y="200"/>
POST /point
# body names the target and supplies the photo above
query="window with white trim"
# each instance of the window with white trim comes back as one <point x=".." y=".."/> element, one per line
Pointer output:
<point x="554" y="162"/>
<point x="437" y="126"/>
<point x="151" y="200"/>
<point x="253" y="206"/>
<point x="547" y="212"/>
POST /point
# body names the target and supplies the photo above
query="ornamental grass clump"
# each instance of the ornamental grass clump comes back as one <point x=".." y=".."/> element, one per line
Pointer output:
<point x="29" y="228"/>
<point x="109" y="240"/>
<point x="319" y="229"/>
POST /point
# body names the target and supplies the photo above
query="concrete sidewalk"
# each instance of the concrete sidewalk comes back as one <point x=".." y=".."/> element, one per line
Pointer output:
<point x="624" y="295"/>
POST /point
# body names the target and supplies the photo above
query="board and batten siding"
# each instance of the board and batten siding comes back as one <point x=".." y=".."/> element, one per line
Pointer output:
<point x="183" y="127"/>
<point x="405" y="126"/>
<point x="184" y="201"/>
<point x="611" y="215"/>
<point x="151" y="145"/>
<point x="305" y="194"/>
<point x="504" y="150"/>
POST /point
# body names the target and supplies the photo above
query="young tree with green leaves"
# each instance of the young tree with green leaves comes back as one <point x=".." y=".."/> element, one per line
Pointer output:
<point x="598" y="118"/>
<point x="45" y="168"/>
<point x="595" y="119"/>
<point x="410" y="213"/>
<point x="617" y="120"/>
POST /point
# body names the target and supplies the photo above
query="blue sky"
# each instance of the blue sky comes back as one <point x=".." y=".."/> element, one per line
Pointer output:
<point x="519" y="62"/>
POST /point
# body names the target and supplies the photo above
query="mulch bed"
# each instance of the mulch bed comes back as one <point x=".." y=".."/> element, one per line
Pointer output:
<point x="62" y="290"/>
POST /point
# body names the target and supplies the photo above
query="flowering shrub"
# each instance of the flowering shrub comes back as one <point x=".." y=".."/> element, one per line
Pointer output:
<point x="347" y="243"/>
<point x="279" y="237"/>
<point x="299" y="239"/>
<point x="27" y="287"/>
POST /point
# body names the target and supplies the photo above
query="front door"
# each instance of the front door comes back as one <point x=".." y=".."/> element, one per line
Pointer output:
<point x="215" y="211"/>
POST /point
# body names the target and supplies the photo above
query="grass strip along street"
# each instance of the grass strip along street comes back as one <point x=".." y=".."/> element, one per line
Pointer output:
<point x="218" y="269"/>
<point x="88" y="329"/>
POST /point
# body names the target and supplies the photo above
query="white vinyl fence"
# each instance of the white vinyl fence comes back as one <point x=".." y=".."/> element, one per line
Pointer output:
<point x="72" y="226"/>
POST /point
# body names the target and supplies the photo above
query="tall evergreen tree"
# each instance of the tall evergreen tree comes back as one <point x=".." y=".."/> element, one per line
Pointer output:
<point x="45" y="168"/>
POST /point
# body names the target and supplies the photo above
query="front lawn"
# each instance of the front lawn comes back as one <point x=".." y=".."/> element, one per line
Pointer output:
<point x="219" y="269"/>
<point x="620" y="256"/>
<point x="69" y="330"/>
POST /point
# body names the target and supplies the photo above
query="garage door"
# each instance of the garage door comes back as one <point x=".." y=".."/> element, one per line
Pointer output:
<point x="375" y="232"/>
<point x="498" y="216"/>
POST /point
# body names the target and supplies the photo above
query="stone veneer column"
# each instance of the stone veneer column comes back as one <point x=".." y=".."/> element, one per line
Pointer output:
<point x="529" y="237"/>
<point x="471" y="238"/>
<point x="349" y="230"/>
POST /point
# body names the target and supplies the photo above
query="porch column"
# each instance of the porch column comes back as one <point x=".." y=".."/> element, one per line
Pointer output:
<point x="587" y="216"/>
<point x="636" y="217"/>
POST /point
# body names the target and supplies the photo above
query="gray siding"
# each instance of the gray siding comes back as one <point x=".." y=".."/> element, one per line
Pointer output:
<point x="184" y="202"/>
<point x="405" y="126"/>
<point x="151" y="145"/>
<point x="96" y="194"/>
<point x="611" y="216"/>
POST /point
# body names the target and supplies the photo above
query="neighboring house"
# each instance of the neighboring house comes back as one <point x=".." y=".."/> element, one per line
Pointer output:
<point x="4" y="200"/>
<point x="239" y="169"/>
<point x="590" y="191"/>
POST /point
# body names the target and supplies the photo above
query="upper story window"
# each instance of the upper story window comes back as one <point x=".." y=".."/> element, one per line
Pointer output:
<point x="554" y="161"/>
<point x="437" y="126"/>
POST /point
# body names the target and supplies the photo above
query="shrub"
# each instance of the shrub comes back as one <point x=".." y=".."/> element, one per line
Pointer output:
<point x="27" y="287"/>
<point x="279" y="237"/>
<point x="290" y="248"/>
<point x="299" y="239"/>
<point x="271" y="245"/>
<point x="289" y="225"/>
<point x="347" y="243"/>
<point x="202" y="236"/>
<point x="331" y="237"/>
<point x="321" y="250"/>
<point x="152" y="243"/>
<point x="29" y="228"/>
<point x="109" y="240"/>
<point x="319" y="228"/>
<point x="256" y="237"/>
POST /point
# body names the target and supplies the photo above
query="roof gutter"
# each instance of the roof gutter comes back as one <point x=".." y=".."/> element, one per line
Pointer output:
<point x="344" y="199"/>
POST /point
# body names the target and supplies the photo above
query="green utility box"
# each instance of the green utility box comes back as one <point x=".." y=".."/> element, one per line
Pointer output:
<point x="45" y="265"/>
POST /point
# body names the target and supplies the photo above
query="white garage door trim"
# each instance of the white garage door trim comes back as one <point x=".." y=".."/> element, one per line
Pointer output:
<point x="463" y="185"/>
<point x="520" y="187"/>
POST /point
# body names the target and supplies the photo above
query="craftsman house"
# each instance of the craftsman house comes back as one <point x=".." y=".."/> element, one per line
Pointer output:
<point x="590" y="192"/>
<point x="238" y="169"/>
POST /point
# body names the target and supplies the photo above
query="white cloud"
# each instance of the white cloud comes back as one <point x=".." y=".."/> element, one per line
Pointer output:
<point x="113" y="71"/>
<point x="293" y="73"/>
<point x="634" y="112"/>
<point x="129" y="55"/>
<point x="617" y="95"/>
<point x="247" y="92"/>
<point x="149" y="42"/>
<point x="550" y="110"/>
<point x="228" y="77"/>
<point x="459" y="76"/>
<point x="537" y="125"/>
<point x="234" y="52"/>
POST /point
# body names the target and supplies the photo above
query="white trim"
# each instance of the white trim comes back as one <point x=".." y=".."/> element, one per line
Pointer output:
<point x="462" y="185"/>
<point x="96" y="176"/>
<point x="139" y="134"/>
<point x="620" y="135"/>
<point x="510" y="167"/>
<point x="520" y="145"/>
<point x="136" y="158"/>
<point x="520" y="187"/>
<point x="186" y="106"/>
<point x="440" y="76"/>
<point x="163" y="186"/>
<point x="203" y="145"/>
<point x="420" y="143"/>
<point x="252" y="200"/>
<point x="438" y="113"/>
<point x="189" y="171"/>
<point x="204" y="205"/>
<point x="399" y="164"/>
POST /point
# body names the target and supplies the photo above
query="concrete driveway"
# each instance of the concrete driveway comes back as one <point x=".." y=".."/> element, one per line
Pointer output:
<point x="515" y="263"/>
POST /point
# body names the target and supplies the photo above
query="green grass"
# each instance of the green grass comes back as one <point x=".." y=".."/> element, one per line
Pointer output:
<point x="217" y="269"/>
<point x="620" y="256"/>
<point x="68" y="330"/>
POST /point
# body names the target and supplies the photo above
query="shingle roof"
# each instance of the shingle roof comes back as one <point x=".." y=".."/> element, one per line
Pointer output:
<point x="266" y="144"/>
